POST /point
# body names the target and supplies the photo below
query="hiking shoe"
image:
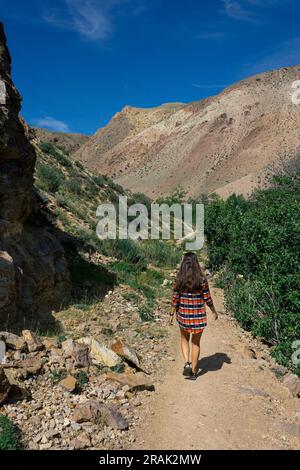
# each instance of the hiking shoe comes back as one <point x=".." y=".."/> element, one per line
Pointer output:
<point x="192" y="376"/>
<point x="187" y="369"/>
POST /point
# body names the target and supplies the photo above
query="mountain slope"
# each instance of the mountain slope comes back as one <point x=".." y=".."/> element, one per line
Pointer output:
<point x="70" y="142"/>
<point x="230" y="142"/>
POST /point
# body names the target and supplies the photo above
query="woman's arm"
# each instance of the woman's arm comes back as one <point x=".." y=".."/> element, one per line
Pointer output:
<point x="208" y="300"/>
<point x="213" y="310"/>
<point x="175" y="304"/>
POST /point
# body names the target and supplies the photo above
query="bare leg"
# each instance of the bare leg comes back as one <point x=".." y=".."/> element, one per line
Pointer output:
<point x="195" y="351"/>
<point x="185" y="344"/>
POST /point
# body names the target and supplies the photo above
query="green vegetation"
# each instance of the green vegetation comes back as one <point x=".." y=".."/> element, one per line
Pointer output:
<point x="82" y="379"/>
<point x="256" y="244"/>
<point x="146" y="310"/>
<point x="49" y="178"/>
<point x="10" y="435"/>
<point x="59" y="156"/>
<point x="119" y="368"/>
<point x="178" y="196"/>
<point x="57" y="376"/>
<point x="131" y="297"/>
<point x="75" y="194"/>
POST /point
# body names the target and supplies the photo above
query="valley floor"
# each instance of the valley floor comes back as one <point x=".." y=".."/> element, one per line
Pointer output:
<point x="236" y="403"/>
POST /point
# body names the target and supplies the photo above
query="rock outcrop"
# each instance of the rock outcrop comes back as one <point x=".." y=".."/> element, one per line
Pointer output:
<point x="33" y="271"/>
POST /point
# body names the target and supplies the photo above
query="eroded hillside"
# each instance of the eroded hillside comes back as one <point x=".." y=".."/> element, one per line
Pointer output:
<point x="230" y="142"/>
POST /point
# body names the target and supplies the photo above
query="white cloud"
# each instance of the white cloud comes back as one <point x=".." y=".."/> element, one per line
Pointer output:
<point x="50" y="123"/>
<point x="90" y="18"/>
<point x="247" y="10"/>
<point x="236" y="10"/>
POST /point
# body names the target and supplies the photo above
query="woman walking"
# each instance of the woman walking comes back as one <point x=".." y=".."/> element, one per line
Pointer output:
<point x="190" y="296"/>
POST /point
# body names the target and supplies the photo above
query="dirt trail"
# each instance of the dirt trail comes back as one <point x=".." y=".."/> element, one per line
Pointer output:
<point x="236" y="403"/>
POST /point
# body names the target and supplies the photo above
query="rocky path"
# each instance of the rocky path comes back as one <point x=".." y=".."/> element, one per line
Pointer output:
<point x="236" y="403"/>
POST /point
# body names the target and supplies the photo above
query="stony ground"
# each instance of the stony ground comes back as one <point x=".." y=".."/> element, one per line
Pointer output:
<point x="242" y="399"/>
<point x="46" y="419"/>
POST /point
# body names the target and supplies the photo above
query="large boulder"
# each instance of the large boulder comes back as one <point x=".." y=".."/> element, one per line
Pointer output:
<point x="126" y="352"/>
<point x="99" y="353"/>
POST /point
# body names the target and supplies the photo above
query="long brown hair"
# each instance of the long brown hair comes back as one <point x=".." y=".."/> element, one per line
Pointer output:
<point x="190" y="276"/>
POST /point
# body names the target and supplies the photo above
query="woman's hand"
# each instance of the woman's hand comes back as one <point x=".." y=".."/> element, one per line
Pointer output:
<point x="171" y="315"/>
<point x="214" y="311"/>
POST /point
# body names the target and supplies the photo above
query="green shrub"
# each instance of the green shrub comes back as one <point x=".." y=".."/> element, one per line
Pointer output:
<point x="73" y="185"/>
<point x="50" y="149"/>
<point x="177" y="197"/>
<point x="49" y="178"/>
<point x="140" y="198"/>
<point x="100" y="180"/>
<point x="56" y="376"/>
<point x="146" y="311"/>
<point x="10" y="435"/>
<point x="79" y="165"/>
<point x="131" y="297"/>
<point x="256" y="242"/>
<point x="160" y="253"/>
<point x="82" y="379"/>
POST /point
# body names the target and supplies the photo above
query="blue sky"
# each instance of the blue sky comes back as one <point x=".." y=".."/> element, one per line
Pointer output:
<point x="77" y="62"/>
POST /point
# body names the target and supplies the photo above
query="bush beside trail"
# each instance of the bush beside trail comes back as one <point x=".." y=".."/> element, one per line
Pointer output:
<point x="255" y="244"/>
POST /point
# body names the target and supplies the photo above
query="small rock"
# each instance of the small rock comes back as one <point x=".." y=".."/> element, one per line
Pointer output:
<point x="82" y="441"/>
<point x="66" y="423"/>
<point x="51" y="343"/>
<point x="93" y="409"/>
<point x="35" y="421"/>
<point x="81" y="355"/>
<point x="44" y="439"/>
<point x="68" y="347"/>
<point x="262" y="363"/>
<point x="30" y="365"/>
<point x="134" y="382"/>
<point x="69" y="384"/>
<point x="53" y="433"/>
<point x="2" y="352"/>
<point x="10" y="387"/>
<point x="46" y="446"/>
<point x="248" y="352"/>
<point x="37" y="406"/>
<point x="32" y="340"/>
<point x="56" y="356"/>
<point x="12" y="341"/>
<point x="292" y="382"/>
<point x="4" y="386"/>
